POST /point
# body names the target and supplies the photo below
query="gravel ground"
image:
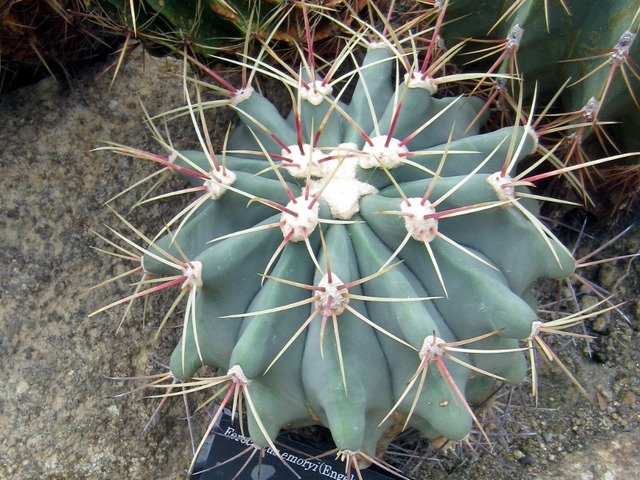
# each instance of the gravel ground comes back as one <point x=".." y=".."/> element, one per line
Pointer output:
<point x="59" y="418"/>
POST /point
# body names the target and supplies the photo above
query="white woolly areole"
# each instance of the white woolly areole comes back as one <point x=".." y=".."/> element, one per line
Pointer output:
<point x="590" y="109"/>
<point x="237" y="376"/>
<point x="535" y="330"/>
<point x="303" y="164"/>
<point x="218" y="183"/>
<point x="514" y="38"/>
<point x="193" y="275"/>
<point x="333" y="300"/>
<point x="621" y="49"/>
<point x="415" y="80"/>
<point x="315" y="92"/>
<point x="172" y="157"/>
<point x="303" y="222"/>
<point x="416" y="220"/>
<point x="534" y="136"/>
<point x="345" y="158"/>
<point x="386" y="44"/>
<point x="377" y="154"/>
<point x="241" y="95"/>
<point x="502" y="186"/>
<point x="432" y="347"/>
<point x="342" y="194"/>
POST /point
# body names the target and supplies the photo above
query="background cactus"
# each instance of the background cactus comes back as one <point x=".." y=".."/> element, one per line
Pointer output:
<point x="580" y="56"/>
<point x="553" y="41"/>
<point x="210" y="27"/>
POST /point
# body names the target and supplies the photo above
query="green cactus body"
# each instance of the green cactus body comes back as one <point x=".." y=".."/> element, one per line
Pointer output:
<point x="590" y="44"/>
<point x="329" y="281"/>
<point x="166" y="26"/>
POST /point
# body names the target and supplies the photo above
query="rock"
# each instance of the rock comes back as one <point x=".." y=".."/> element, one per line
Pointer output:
<point x="629" y="398"/>
<point x="608" y="275"/>
<point x="599" y="324"/>
<point x="59" y="418"/>
<point x="616" y="459"/>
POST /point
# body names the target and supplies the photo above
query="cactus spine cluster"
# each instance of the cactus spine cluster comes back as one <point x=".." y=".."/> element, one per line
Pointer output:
<point x="365" y="262"/>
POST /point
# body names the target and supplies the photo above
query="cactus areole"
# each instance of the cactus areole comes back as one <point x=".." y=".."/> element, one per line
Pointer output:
<point x="342" y="254"/>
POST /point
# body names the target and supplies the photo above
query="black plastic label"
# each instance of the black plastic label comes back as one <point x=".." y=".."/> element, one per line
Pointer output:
<point x="227" y="454"/>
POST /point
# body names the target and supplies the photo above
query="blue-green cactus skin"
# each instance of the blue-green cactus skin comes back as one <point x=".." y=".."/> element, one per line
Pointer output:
<point x="353" y="389"/>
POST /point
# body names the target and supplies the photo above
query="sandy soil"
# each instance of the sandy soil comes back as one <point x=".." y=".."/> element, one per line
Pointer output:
<point x="59" y="418"/>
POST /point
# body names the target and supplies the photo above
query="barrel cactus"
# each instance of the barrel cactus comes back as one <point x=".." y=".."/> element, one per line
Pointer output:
<point x="582" y="57"/>
<point x="365" y="262"/>
<point x="166" y="27"/>
<point x="591" y="45"/>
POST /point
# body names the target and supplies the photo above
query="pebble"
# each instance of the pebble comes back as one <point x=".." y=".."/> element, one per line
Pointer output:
<point x="608" y="275"/>
<point x="629" y="398"/>
<point x="588" y="301"/>
<point x="599" y="324"/>
<point x="605" y="391"/>
<point x="636" y="311"/>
